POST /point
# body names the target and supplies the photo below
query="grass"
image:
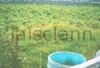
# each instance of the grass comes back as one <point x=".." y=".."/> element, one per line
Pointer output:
<point x="34" y="53"/>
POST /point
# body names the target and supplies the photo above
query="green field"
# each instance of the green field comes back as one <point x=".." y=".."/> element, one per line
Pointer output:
<point x="31" y="50"/>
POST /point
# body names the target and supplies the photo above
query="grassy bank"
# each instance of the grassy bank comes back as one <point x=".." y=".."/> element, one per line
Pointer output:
<point x="33" y="52"/>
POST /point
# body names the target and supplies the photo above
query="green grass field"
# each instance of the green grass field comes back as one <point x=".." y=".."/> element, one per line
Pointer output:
<point x="33" y="53"/>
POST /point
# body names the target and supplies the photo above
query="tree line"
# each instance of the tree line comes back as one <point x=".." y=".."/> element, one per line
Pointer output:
<point x="49" y="1"/>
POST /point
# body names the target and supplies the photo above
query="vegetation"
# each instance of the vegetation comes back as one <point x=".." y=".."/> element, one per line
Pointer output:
<point x="19" y="48"/>
<point x="61" y="2"/>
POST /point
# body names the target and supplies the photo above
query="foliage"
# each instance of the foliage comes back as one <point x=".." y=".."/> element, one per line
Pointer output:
<point x="33" y="54"/>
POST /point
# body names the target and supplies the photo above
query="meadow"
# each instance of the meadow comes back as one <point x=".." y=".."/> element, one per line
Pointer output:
<point x="28" y="36"/>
